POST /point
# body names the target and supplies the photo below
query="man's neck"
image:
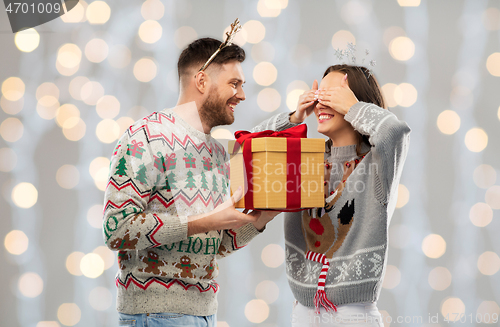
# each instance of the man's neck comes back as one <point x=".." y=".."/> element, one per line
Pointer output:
<point x="188" y="111"/>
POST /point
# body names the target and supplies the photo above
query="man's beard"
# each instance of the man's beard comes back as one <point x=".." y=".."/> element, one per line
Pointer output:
<point x="213" y="111"/>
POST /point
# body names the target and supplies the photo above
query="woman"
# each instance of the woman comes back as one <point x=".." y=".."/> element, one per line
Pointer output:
<point x="336" y="255"/>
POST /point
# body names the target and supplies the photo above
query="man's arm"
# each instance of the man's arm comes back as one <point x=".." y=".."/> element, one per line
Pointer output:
<point x="129" y="225"/>
<point x="225" y="216"/>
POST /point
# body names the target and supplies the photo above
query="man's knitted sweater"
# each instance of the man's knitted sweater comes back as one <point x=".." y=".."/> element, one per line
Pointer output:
<point x="163" y="171"/>
<point x="352" y="229"/>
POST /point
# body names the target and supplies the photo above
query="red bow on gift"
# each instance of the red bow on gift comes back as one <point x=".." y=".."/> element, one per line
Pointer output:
<point x="299" y="131"/>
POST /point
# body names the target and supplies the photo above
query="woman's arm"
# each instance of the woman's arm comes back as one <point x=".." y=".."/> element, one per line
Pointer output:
<point x="277" y="122"/>
<point x="389" y="138"/>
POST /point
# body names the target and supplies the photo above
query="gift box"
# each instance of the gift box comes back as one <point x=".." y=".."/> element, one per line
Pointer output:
<point x="171" y="161"/>
<point x="189" y="160"/>
<point x="278" y="170"/>
<point x="135" y="149"/>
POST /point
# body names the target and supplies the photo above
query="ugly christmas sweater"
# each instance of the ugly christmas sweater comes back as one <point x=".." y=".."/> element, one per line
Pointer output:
<point x="341" y="249"/>
<point x="163" y="171"/>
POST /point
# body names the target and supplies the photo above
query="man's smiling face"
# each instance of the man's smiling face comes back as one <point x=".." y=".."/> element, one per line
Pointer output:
<point x="224" y="95"/>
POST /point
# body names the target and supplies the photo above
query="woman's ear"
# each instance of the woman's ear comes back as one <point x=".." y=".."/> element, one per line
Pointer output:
<point x="344" y="82"/>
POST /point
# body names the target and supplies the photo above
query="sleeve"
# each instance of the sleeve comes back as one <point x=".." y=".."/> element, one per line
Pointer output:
<point x="277" y="122"/>
<point x="235" y="239"/>
<point x="389" y="138"/>
<point x="134" y="177"/>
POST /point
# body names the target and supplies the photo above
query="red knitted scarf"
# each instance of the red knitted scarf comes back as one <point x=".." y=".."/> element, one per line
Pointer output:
<point x="320" y="297"/>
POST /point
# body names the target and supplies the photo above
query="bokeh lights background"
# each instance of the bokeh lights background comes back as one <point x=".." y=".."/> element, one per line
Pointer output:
<point x="70" y="87"/>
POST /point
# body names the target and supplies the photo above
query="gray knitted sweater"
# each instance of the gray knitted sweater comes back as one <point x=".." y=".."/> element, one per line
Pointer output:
<point x="352" y="228"/>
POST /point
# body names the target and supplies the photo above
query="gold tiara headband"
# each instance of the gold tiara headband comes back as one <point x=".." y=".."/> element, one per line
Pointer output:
<point x="235" y="28"/>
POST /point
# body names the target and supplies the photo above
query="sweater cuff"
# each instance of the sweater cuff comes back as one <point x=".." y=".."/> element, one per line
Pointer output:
<point x="245" y="234"/>
<point x="283" y="121"/>
<point x="174" y="229"/>
<point x="354" y="112"/>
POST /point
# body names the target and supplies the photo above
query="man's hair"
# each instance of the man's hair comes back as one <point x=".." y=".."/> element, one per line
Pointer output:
<point x="199" y="51"/>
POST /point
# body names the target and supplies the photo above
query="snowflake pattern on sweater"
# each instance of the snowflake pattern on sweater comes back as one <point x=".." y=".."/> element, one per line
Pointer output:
<point x="364" y="266"/>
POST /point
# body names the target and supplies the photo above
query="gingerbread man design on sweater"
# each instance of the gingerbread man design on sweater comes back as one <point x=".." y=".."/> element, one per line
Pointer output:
<point x="210" y="269"/>
<point x="222" y="251"/>
<point x="153" y="262"/>
<point x="186" y="266"/>
<point x="142" y="220"/>
<point x="321" y="233"/>
<point x="126" y="242"/>
<point x="123" y="257"/>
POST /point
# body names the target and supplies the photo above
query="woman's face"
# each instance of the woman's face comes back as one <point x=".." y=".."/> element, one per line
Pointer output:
<point x="330" y="122"/>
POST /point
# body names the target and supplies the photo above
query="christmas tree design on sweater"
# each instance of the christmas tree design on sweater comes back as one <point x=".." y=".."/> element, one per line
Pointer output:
<point x="204" y="185"/>
<point x="171" y="181"/>
<point x="121" y="168"/>
<point x="190" y="181"/>
<point x="215" y="186"/>
<point x="141" y="175"/>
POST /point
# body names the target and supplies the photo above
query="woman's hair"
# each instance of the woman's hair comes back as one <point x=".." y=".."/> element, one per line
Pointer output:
<point x="365" y="87"/>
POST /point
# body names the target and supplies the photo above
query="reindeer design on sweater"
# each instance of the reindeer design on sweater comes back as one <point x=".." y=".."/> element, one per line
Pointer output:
<point x="322" y="233"/>
<point x="324" y="236"/>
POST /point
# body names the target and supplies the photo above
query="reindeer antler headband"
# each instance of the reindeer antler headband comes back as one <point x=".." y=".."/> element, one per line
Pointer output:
<point x="235" y="28"/>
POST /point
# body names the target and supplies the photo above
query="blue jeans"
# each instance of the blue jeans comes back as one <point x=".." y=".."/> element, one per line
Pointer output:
<point x="165" y="320"/>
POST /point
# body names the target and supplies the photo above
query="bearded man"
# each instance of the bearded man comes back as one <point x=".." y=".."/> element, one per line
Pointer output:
<point x="168" y="211"/>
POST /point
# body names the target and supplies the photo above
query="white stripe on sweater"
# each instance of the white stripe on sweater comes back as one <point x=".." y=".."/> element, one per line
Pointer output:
<point x="315" y="286"/>
<point x="347" y="257"/>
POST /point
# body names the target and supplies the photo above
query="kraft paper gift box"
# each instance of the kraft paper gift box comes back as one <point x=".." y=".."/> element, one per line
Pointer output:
<point x="278" y="170"/>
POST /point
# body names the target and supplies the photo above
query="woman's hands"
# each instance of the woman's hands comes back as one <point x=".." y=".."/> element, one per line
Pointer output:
<point x="307" y="102"/>
<point x="263" y="217"/>
<point x="339" y="98"/>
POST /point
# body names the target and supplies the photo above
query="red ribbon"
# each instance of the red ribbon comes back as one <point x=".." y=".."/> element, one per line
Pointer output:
<point x="299" y="131"/>
<point x="293" y="150"/>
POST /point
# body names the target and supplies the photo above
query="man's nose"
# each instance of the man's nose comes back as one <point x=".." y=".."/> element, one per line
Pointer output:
<point x="241" y="94"/>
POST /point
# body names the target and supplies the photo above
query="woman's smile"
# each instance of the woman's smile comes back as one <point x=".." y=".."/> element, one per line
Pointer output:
<point x="322" y="117"/>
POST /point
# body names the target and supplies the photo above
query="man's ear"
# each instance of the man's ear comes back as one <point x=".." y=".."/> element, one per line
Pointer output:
<point x="201" y="82"/>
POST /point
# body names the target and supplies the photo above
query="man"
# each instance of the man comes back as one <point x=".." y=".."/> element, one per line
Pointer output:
<point x="168" y="211"/>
